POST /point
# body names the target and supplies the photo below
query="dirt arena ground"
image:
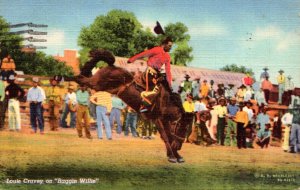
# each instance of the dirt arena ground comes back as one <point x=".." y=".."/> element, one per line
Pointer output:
<point x="61" y="160"/>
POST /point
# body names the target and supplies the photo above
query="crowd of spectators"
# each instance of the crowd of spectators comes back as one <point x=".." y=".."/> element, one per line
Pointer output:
<point x="227" y="116"/>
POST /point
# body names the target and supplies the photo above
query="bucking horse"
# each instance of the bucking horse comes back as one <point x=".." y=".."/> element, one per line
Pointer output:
<point x="167" y="112"/>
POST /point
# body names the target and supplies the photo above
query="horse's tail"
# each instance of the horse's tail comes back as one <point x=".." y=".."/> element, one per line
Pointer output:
<point x="97" y="55"/>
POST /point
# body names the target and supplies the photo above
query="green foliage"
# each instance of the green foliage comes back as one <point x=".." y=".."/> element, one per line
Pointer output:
<point x="145" y="40"/>
<point x="30" y="63"/>
<point x="41" y="64"/>
<point x="182" y="54"/>
<point x="177" y="32"/>
<point x="115" y="32"/>
<point x="237" y="69"/>
<point x="9" y="43"/>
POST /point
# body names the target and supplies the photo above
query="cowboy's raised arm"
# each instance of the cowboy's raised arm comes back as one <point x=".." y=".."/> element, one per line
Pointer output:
<point x="147" y="53"/>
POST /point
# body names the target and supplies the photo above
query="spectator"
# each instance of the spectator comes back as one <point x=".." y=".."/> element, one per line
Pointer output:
<point x="204" y="89"/>
<point x="267" y="86"/>
<point x="115" y="115"/>
<point x="187" y="85"/>
<point x="92" y="107"/>
<point x="14" y="92"/>
<point x="196" y="87"/>
<point x="69" y="107"/>
<point x="222" y="112"/>
<point x="248" y="94"/>
<point x="54" y="100"/>
<point x="205" y="137"/>
<point x="241" y="119"/>
<point x="7" y="67"/>
<point x="35" y="97"/>
<point x="250" y="132"/>
<point x="262" y="119"/>
<point x="295" y="130"/>
<point x="231" y="130"/>
<point x="212" y="123"/>
<point x="295" y="100"/>
<point x="281" y="84"/>
<point x="82" y="97"/>
<point x="103" y="101"/>
<point x="241" y="93"/>
<point x="229" y="92"/>
<point x="264" y="74"/>
<point x="131" y="120"/>
<point x="260" y="97"/>
<point x="202" y="115"/>
<point x="211" y="91"/>
<point x="263" y="136"/>
<point x="220" y="91"/>
<point x="288" y="91"/>
<point x="189" y="107"/>
<point x="287" y="120"/>
<point x="277" y="130"/>
<point x="2" y="103"/>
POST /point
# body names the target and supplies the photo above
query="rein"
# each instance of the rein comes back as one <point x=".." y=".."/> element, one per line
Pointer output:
<point x="173" y="132"/>
<point x="124" y="87"/>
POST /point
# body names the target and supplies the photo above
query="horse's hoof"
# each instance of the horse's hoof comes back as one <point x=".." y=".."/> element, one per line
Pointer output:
<point x="172" y="160"/>
<point x="180" y="160"/>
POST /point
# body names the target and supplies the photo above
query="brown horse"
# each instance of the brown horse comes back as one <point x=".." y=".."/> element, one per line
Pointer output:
<point x="167" y="112"/>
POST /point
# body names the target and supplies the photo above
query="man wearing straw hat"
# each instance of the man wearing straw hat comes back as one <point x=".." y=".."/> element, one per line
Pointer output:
<point x="288" y="90"/>
<point x="221" y="110"/>
<point x="264" y="74"/>
<point x="70" y="103"/>
<point x="54" y="100"/>
<point x="36" y="97"/>
<point x="14" y="92"/>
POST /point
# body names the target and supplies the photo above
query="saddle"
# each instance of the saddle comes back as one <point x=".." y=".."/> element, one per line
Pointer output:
<point x="141" y="81"/>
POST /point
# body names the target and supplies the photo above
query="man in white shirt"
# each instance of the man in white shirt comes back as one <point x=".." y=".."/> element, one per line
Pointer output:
<point x="69" y="107"/>
<point x="250" y="127"/>
<point x="35" y="97"/>
<point x="288" y="91"/>
<point x="286" y="120"/>
<point x="260" y="97"/>
<point x="196" y="87"/>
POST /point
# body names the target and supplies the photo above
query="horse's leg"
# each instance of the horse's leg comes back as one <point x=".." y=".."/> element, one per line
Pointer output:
<point x="172" y="141"/>
<point x="165" y="138"/>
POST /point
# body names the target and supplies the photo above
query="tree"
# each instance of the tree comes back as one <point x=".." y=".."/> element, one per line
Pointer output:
<point x="237" y="69"/>
<point x="115" y="32"/>
<point x="41" y="64"/>
<point x="177" y="32"/>
<point x="9" y="43"/>
<point x="145" y="40"/>
<point x="30" y="63"/>
<point x="181" y="55"/>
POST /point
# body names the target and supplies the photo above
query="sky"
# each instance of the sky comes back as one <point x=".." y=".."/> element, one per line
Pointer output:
<point x="255" y="34"/>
